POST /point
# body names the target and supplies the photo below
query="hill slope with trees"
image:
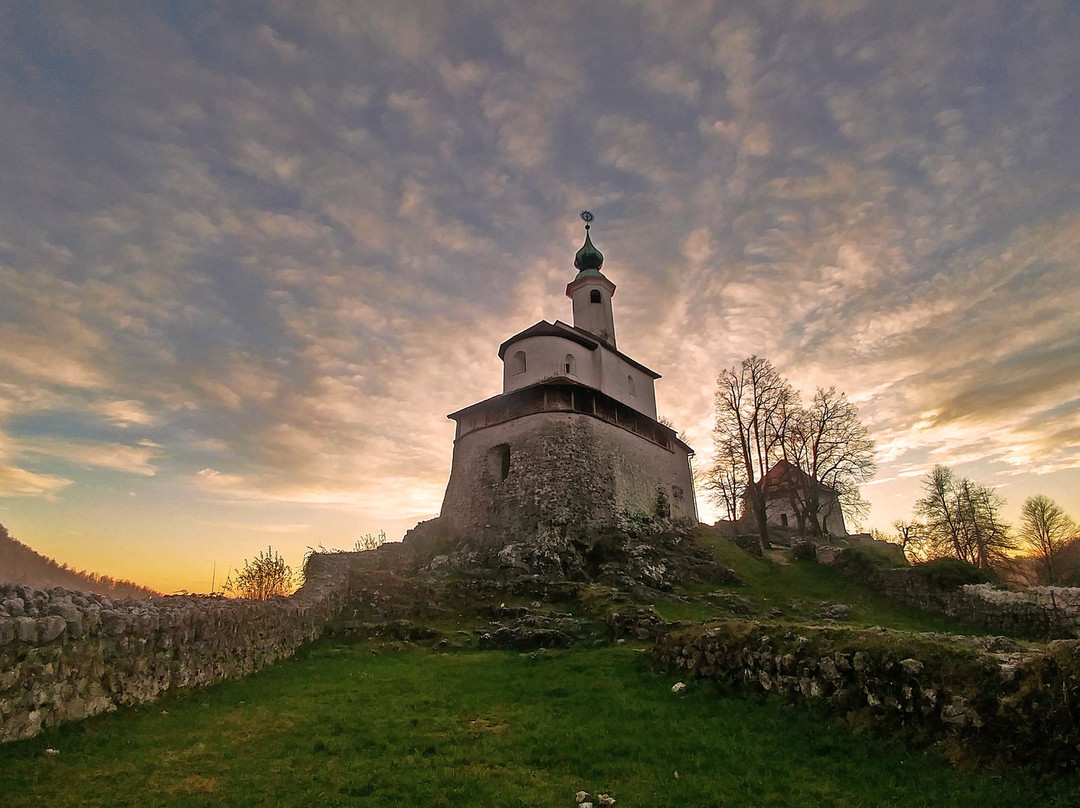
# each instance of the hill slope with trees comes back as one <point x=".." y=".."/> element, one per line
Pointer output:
<point x="24" y="565"/>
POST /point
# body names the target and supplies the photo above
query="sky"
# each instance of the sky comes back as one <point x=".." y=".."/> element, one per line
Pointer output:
<point x="252" y="253"/>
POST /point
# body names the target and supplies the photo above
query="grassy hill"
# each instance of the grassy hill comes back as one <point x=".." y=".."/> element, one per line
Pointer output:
<point x="23" y="565"/>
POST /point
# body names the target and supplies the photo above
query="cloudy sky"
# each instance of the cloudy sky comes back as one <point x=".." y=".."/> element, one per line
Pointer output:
<point x="251" y="254"/>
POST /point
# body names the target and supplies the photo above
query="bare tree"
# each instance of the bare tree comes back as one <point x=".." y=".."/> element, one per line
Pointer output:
<point x="962" y="519"/>
<point x="910" y="536"/>
<point x="726" y="479"/>
<point x="262" y="578"/>
<point x="830" y="444"/>
<point x="1046" y="527"/>
<point x="753" y="406"/>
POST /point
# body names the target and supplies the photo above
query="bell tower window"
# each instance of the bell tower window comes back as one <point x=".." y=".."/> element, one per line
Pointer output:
<point x="517" y="364"/>
<point x="569" y="364"/>
<point x="594" y="296"/>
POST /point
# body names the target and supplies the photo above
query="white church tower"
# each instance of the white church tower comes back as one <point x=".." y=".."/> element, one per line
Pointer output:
<point x="591" y="292"/>
<point x="573" y="443"/>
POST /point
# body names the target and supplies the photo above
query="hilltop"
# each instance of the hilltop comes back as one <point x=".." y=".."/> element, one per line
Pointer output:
<point x="21" y="564"/>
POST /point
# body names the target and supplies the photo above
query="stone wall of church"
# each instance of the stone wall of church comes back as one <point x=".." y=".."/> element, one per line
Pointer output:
<point x="561" y="472"/>
<point x="68" y="655"/>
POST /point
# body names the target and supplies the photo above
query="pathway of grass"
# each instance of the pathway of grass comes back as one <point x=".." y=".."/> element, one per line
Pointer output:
<point x="339" y="726"/>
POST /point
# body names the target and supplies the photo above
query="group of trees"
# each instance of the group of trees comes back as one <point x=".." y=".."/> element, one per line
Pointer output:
<point x="760" y="420"/>
<point x="959" y="518"/>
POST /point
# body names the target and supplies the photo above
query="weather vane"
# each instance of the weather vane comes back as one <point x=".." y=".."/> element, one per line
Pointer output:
<point x="586" y="217"/>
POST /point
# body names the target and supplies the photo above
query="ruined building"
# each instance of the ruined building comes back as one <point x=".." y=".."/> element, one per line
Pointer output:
<point x="572" y="445"/>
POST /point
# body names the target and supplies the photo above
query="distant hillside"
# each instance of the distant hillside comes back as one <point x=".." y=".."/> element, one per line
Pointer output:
<point x="20" y="564"/>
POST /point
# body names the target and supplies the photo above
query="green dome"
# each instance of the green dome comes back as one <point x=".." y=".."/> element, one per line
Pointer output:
<point x="588" y="257"/>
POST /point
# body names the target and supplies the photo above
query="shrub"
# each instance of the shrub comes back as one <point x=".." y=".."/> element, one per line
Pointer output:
<point x="262" y="578"/>
<point x="804" y="551"/>
<point x="864" y="559"/>
<point x="950" y="573"/>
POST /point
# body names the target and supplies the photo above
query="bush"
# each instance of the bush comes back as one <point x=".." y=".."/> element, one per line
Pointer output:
<point x="864" y="559"/>
<point x="262" y="578"/>
<point x="804" y="551"/>
<point x="950" y="573"/>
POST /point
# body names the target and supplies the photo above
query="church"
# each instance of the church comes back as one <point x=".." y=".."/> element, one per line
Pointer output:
<point x="572" y="445"/>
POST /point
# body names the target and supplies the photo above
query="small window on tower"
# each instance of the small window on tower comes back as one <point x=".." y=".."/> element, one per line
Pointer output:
<point x="594" y="296"/>
<point x="517" y="364"/>
<point x="630" y="385"/>
<point x="499" y="462"/>
<point x="783" y="519"/>
<point x="569" y="364"/>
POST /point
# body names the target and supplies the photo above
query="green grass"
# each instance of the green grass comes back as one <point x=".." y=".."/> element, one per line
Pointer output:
<point x="340" y="726"/>
<point x="797" y="590"/>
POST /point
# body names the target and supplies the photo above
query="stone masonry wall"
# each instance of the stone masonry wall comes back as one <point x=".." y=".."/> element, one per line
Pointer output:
<point x="66" y="655"/>
<point x="568" y="472"/>
<point x="982" y="700"/>
<point x="1043" y="611"/>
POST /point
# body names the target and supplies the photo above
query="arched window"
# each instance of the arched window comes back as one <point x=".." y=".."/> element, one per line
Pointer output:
<point x="594" y="296"/>
<point x="630" y="385"/>
<point x="569" y="364"/>
<point x="517" y="364"/>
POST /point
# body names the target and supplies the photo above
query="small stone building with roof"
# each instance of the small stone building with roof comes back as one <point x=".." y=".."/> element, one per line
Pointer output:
<point x="572" y="444"/>
<point x="786" y="489"/>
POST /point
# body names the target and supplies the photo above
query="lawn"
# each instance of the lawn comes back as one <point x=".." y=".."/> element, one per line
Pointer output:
<point x="339" y="725"/>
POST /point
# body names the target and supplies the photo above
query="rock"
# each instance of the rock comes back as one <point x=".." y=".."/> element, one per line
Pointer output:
<point x="26" y="629"/>
<point x="606" y="799"/>
<point x="8" y="630"/>
<point x="1001" y="645"/>
<point x="912" y="667"/>
<point x="51" y="627"/>
<point x="581" y="796"/>
<point x="834" y="611"/>
<point x="678" y="687"/>
<point x="16" y="607"/>
<point x="525" y="639"/>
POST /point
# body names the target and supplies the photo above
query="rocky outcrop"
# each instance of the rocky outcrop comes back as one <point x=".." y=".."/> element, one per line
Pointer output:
<point x="644" y="558"/>
<point x="66" y="655"/>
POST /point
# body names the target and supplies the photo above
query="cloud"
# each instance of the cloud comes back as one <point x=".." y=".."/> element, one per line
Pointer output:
<point x="17" y="482"/>
<point x="138" y="459"/>
<point x="284" y="247"/>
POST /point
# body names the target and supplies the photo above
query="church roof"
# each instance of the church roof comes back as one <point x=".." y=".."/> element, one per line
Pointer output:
<point x="578" y="335"/>
<point x="786" y="474"/>
<point x="556" y="329"/>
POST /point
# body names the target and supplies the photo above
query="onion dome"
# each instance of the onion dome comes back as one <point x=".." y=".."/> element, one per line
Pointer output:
<point x="588" y="257"/>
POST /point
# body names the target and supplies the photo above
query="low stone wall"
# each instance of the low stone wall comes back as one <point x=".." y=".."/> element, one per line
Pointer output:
<point x="982" y="700"/>
<point x="66" y="655"/>
<point x="1040" y="612"/>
